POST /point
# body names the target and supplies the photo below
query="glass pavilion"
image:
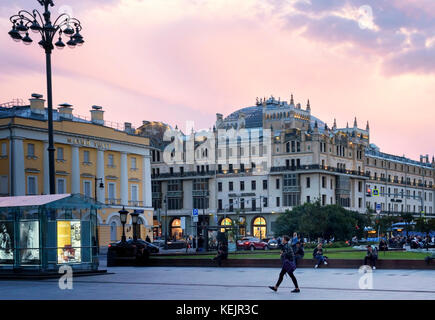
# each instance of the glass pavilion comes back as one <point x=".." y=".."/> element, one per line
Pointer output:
<point x="43" y="233"/>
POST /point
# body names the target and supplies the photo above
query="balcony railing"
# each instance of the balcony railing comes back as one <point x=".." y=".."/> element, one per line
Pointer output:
<point x="134" y="203"/>
<point x="112" y="201"/>
<point x="318" y="167"/>
<point x="183" y="174"/>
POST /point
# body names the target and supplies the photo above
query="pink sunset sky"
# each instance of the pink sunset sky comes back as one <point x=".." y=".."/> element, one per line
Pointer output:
<point x="186" y="60"/>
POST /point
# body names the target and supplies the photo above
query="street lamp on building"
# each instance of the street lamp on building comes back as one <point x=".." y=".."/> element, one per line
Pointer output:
<point x="65" y="26"/>
<point x="123" y="217"/>
<point x="101" y="186"/>
<point x="134" y="220"/>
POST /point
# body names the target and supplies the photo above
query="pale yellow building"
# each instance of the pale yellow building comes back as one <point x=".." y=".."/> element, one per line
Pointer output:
<point x="93" y="157"/>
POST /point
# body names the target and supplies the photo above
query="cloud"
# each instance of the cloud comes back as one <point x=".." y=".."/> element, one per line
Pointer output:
<point x="399" y="30"/>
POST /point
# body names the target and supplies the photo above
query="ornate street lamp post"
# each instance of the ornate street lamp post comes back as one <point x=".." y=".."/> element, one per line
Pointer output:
<point x="37" y="23"/>
<point x="134" y="220"/>
<point x="123" y="217"/>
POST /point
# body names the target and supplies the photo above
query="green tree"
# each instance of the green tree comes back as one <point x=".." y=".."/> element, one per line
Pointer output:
<point x="314" y="220"/>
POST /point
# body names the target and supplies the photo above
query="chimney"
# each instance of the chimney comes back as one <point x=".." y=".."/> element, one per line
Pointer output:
<point x="97" y="115"/>
<point x="65" y="111"/>
<point x="37" y="103"/>
<point x="128" y="128"/>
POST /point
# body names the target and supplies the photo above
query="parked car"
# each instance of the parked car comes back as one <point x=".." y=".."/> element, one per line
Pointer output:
<point x="273" y="244"/>
<point x="251" y="243"/>
<point x="137" y="251"/>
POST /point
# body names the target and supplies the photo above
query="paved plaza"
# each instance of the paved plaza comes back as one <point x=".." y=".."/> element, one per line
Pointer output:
<point x="170" y="283"/>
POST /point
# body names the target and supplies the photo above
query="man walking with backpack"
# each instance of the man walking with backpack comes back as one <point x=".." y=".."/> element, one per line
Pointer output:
<point x="288" y="265"/>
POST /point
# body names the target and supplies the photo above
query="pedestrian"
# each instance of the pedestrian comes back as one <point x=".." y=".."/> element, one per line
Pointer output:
<point x="222" y="253"/>
<point x="299" y="252"/>
<point x="288" y="265"/>
<point x="318" y="255"/>
<point x="294" y="241"/>
<point x="371" y="256"/>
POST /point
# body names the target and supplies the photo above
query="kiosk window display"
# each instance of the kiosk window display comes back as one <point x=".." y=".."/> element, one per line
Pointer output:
<point x="29" y="242"/>
<point x="42" y="233"/>
<point x="68" y="241"/>
<point x="6" y="242"/>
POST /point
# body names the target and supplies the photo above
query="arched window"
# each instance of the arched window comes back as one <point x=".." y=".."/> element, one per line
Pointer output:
<point x="259" y="228"/>
<point x="225" y="222"/>
<point x="113" y="231"/>
<point x="176" y="231"/>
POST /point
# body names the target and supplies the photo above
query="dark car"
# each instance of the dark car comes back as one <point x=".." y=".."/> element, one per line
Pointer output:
<point x="251" y="243"/>
<point x="137" y="251"/>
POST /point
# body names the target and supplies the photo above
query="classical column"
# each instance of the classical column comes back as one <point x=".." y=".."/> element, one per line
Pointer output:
<point x="146" y="181"/>
<point x="46" y="170"/>
<point x="124" y="179"/>
<point x="18" y="167"/>
<point x="100" y="174"/>
<point x="75" y="170"/>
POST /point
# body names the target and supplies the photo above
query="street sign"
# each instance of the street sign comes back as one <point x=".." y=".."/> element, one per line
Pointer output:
<point x="378" y="208"/>
<point x="375" y="192"/>
<point x="195" y="212"/>
<point x="195" y="218"/>
<point x="183" y="223"/>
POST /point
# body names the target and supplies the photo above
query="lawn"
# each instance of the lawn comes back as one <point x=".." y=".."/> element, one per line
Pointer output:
<point x="330" y="253"/>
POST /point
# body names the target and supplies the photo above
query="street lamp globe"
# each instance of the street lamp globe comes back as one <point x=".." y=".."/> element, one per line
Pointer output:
<point x="59" y="44"/>
<point x="27" y="40"/>
<point x="71" y="43"/>
<point x="134" y="217"/>
<point x="123" y="215"/>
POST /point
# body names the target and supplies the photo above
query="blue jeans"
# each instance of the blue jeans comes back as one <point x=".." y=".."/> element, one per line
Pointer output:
<point x="319" y="259"/>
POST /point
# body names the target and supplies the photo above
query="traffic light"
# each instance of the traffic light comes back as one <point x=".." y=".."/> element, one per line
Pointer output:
<point x="369" y="192"/>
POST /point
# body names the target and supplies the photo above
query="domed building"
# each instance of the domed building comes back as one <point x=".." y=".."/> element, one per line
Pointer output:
<point x="264" y="159"/>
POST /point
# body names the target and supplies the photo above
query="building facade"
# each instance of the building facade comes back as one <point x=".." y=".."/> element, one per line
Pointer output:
<point x="265" y="159"/>
<point x="110" y="164"/>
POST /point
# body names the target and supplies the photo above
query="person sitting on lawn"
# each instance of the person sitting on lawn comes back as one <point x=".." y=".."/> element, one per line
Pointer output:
<point x="318" y="255"/>
<point x="371" y="256"/>
<point x="222" y="253"/>
<point x="299" y="252"/>
<point x="383" y="245"/>
<point x="428" y="259"/>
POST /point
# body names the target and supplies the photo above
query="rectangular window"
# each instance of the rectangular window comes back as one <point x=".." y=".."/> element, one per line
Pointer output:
<point x="30" y="150"/>
<point x="219" y="186"/>
<point x="111" y="162"/>
<point x="134" y="193"/>
<point x="359" y="202"/>
<point x="308" y="199"/>
<point x="61" y="186"/>
<point x="111" y="192"/>
<point x="4" y="185"/>
<point x="308" y="183"/>
<point x="87" y="188"/>
<point x="231" y="207"/>
<point x="242" y="185"/>
<point x="253" y="185"/>
<point x="220" y="204"/>
<point x="265" y="202"/>
<point x="277" y="183"/>
<point x="32" y="187"/>
<point x="323" y="182"/>
<point x="60" y="153"/>
<point x="264" y="184"/>
<point x="254" y="204"/>
<point x="359" y="186"/>
<point x="86" y="156"/>
<point x="277" y="200"/>
<point x="230" y="186"/>
<point x="4" y="149"/>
